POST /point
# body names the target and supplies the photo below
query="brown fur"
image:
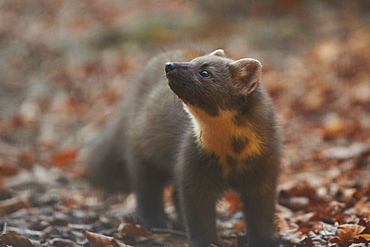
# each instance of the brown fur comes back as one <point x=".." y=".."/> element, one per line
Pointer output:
<point x="209" y="127"/>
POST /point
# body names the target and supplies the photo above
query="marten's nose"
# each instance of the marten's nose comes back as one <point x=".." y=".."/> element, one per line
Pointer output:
<point x="169" y="67"/>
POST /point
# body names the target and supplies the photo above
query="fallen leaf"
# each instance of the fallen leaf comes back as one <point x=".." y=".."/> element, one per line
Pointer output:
<point x="27" y="159"/>
<point x="19" y="121"/>
<point x="334" y="126"/>
<point x="7" y="170"/>
<point x="64" y="157"/>
<point x="99" y="240"/>
<point x="347" y="232"/>
<point x="131" y="229"/>
<point x="234" y="202"/>
<point x="239" y="225"/>
<point x="17" y="240"/>
<point x="363" y="208"/>
<point x="12" y="205"/>
<point x="285" y="226"/>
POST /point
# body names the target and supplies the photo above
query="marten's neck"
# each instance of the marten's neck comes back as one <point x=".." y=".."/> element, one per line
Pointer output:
<point x="224" y="136"/>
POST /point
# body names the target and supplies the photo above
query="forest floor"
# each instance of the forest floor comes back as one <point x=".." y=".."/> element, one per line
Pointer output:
<point x="64" y="66"/>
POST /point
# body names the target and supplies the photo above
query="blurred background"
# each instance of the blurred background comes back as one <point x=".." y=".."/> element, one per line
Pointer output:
<point x="64" y="65"/>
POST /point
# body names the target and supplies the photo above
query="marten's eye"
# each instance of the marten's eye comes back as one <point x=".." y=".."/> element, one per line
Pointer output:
<point x="204" y="74"/>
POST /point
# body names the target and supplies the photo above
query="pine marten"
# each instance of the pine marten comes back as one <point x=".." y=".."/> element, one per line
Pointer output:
<point x="205" y="123"/>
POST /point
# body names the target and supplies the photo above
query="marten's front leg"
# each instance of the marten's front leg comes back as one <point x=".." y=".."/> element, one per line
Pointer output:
<point x="199" y="190"/>
<point x="198" y="208"/>
<point x="258" y="197"/>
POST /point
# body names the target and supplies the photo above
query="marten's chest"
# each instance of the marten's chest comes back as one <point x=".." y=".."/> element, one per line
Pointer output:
<point x="232" y="143"/>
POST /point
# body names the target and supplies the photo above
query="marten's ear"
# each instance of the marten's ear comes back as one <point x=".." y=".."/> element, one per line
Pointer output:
<point x="246" y="73"/>
<point x="219" y="53"/>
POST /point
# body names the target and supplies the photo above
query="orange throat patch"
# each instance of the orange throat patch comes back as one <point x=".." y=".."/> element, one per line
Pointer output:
<point x="231" y="143"/>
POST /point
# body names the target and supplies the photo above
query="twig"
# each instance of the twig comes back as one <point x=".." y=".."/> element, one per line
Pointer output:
<point x="170" y="231"/>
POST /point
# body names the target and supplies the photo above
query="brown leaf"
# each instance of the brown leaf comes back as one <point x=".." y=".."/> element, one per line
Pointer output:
<point x="7" y="170"/>
<point x="301" y="195"/>
<point x="17" y="240"/>
<point x="168" y="192"/>
<point x="334" y="240"/>
<point x="72" y="105"/>
<point x="111" y="96"/>
<point x="285" y="226"/>
<point x="239" y="225"/>
<point x="347" y="232"/>
<point x="27" y="159"/>
<point x="234" y="202"/>
<point x="363" y="208"/>
<point x="12" y="205"/>
<point x="334" y="126"/>
<point x="99" y="240"/>
<point x="132" y="229"/>
<point x="19" y="121"/>
<point x="64" y="157"/>
<point x="292" y="235"/>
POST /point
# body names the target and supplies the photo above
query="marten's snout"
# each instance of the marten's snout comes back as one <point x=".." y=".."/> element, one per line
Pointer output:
<point x="170" y="67"/>
<point x="178" y="66"/>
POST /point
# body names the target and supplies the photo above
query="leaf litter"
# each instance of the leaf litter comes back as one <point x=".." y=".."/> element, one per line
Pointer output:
<point x="65" y="72"/>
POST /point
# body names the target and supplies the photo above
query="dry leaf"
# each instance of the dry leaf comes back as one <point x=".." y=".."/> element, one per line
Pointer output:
<point x="285" y="226"/>
<point x="363" y="208"/>
<point x="347" y="232"/>
<point x="234" y="202"/>
<point x="17" y="240"/>
<point x="99" y="240"/>
<point x="239" y="225"/>
<point x="64" y="157"/>
<point x="12" y="205"/>
<point x="7" y="170"/>
<point x="334" y="126"/>
<point x="132" y="229"/>
<point x="27" y="159"/>
<point x="19" y="121"/>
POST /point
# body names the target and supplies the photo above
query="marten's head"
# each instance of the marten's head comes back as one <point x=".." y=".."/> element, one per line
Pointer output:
<point x="214" y="82"/>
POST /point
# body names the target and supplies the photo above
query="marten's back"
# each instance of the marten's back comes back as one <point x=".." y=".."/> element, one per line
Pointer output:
<point x="149" y="120"/>
<point x="155" y="119"/>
